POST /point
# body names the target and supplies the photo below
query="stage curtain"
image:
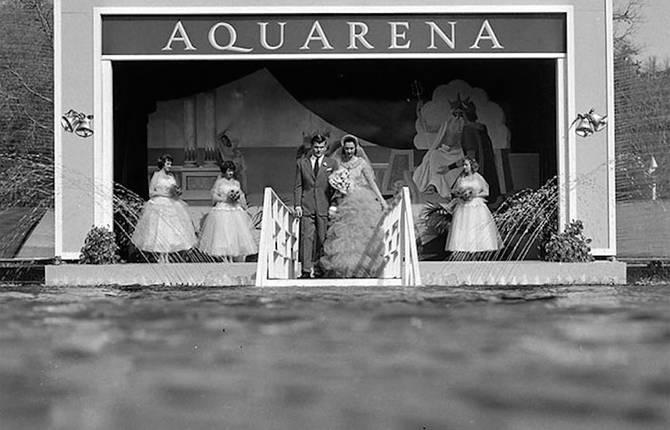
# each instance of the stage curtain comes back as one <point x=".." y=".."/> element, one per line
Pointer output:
<point x="377" y="111"/>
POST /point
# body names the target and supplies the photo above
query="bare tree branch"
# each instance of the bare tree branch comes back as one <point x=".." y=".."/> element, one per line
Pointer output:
<point x="628" y="17"/>
<point x="9" y="96"/>
<point x="26" y="86"/>
<point x="42" y="14"/>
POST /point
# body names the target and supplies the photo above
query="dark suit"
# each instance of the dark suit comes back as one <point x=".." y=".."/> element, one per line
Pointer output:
<point x="313" y="194"/>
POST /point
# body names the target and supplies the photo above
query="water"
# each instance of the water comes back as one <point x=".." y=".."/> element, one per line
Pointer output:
<point x="337" y="358"/>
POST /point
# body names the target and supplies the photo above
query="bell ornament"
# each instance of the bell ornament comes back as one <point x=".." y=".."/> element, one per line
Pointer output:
<point x="584" y="127"/>
<point x="598" y="121"/>
<point x="70" y="120"/>
<point x="85" y="126"/>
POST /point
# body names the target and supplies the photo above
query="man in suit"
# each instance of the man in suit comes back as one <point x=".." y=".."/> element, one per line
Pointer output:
<point x="312" y="196"/>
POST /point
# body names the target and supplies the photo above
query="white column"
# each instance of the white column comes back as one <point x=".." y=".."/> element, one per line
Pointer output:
<point x="562" y="143"/>
<point x="190" y="148"/>
<point x="106" y="180"/>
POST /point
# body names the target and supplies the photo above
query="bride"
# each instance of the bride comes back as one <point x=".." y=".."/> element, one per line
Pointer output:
<point x="352" y="248"/>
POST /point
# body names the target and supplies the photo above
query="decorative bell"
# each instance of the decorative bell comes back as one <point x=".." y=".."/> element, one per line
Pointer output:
<point x="589" y="123"/>
<point x="584" y="127"/>
<point x="85" y="126"/>
<point x="597" y="121"/>
<point x="70" y="120"/>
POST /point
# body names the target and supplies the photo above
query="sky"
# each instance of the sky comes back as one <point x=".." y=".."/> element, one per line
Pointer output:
<point x="653" y="37"/>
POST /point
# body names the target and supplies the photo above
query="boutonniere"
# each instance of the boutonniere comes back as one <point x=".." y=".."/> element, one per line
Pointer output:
<point x="329" y="169"/>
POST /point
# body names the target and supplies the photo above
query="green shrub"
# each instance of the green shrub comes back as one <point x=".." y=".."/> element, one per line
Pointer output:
<point x="570" y="246"/>
<point x="99" y="247"/>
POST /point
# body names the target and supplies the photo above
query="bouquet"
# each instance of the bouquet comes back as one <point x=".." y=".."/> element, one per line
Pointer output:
<point x="234" y="195"/>
<point x="174" y="191"/>
<point x="340" y="180"/>
<point x="464" y="195"/>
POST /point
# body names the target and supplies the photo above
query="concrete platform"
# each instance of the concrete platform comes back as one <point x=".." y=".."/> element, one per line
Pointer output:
<point x="522" y="273"/>
<point x="432" y="273"/>
<point x="198" y="274"/>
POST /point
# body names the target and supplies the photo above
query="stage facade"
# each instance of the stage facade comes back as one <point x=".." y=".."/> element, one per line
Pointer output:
<point x="204" y="81"/>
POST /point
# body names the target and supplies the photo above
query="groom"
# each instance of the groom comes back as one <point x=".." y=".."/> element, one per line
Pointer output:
<point x="312" y="196"/>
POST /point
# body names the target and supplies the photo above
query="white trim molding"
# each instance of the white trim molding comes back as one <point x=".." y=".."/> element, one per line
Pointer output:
<point x="562" y="131"/>
<point x="611" y="137"/>
<point x="106" y="122"/>
<point x="442" y="55"/>
<point x="99" y="158"/>
<point x="58" y="134"/>
<point x="571" y="112"/>
<point x="300" y="10"/>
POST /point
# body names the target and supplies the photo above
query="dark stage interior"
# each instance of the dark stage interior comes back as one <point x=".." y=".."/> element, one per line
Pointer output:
<point x="345" y="93"/>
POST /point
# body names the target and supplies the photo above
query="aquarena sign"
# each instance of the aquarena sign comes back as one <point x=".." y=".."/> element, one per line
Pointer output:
<point x="333" y="34"/>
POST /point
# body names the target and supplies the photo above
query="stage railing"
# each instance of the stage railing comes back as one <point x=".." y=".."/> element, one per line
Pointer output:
<point x="400" y="253"/>
<point x="278" y="250"/>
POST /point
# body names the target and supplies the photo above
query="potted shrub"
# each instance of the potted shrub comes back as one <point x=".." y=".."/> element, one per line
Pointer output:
<point x="99" y="247"/>
<point x="570" y="246"/>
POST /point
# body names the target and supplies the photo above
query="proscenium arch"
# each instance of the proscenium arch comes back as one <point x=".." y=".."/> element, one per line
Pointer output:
<point x="103" y="84"/>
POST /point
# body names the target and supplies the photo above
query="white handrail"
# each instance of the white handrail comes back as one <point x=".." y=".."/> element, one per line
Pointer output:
<point x="278" y="250"/>
<point x="411" y="274"/>
<point x="400" y="253"/>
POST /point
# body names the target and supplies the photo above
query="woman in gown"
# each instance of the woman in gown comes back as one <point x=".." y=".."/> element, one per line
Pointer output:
<point x="352" y="248"/>
<point x="165" y="225"/>
<point x="227" y="230"/>
<point x="472" y="226"/>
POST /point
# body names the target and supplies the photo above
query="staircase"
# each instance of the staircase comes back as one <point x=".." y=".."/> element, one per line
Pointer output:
<point x="278" y="251"/>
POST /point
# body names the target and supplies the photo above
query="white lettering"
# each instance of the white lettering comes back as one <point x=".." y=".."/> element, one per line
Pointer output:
<point x="490" y="35"/>
<point x="320" y="37"/>
<point x="357" y="32"/>
<point x="396" y="36"/>
<point x="264" y="36"/>
<point x="232" y="34"/>
<point x="435" y="29"/>
<point x="179" y="35"/>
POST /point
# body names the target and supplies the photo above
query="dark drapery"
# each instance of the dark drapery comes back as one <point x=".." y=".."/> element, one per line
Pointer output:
<point x="368" y="99"/>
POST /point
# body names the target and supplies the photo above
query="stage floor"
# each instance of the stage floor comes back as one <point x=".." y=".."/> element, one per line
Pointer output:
<point x="499" y="273"/>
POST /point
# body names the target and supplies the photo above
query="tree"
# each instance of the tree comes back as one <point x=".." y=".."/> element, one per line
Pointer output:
<point x="26" y="76"/>
<point x="628" y="18"/>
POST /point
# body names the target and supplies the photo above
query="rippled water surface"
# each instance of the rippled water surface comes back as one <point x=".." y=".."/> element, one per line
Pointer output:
<point x="337" y="358"/>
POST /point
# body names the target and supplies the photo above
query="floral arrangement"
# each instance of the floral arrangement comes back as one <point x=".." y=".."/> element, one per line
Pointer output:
<point x="340" y="180"/>
<point x="175" y="191"/>
<point x="463" y="195"/>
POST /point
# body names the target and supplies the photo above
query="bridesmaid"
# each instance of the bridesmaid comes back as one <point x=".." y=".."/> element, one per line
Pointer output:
<point x="165" y="224"/>
<point x="227" y="231"/>
<point x="472" y="227"/>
